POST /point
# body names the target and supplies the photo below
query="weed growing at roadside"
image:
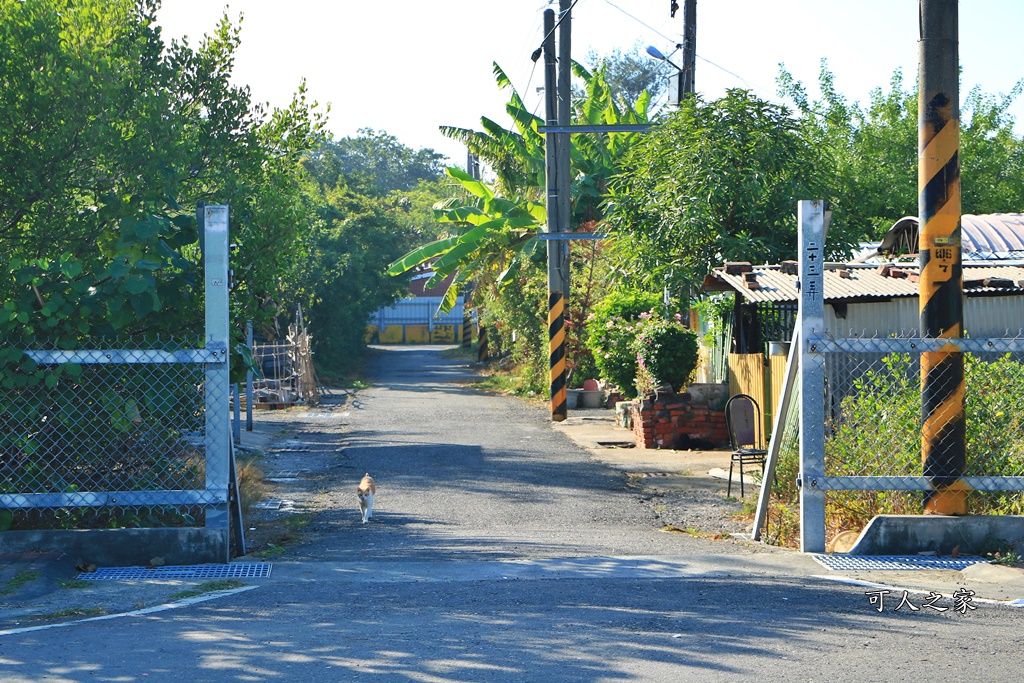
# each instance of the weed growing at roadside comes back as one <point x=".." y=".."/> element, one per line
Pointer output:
<point x="208" y="587"/>
<point x="72" y="612"/>
<point x="20" y="579"/>
<point x="251" y="488"/>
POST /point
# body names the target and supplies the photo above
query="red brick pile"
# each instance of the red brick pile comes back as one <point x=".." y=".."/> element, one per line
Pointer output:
<point x="673" y="421"/>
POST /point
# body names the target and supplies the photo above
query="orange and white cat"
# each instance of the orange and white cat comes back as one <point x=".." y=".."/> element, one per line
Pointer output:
<point x="365" y="491"/>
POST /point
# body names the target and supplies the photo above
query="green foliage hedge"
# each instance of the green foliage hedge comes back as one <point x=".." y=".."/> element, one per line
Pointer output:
<point x="610" y="333"/>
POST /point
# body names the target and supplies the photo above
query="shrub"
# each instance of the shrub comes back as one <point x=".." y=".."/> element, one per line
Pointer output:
<point x="610" y="333"/>
<point x="666" y="353"/>
<point x="878" y="433"/>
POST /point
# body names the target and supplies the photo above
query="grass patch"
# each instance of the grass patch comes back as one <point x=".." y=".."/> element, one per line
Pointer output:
<point x="512" y="384"/>
<point x="460" y="353"/>
<point x="283" y="532"/>
<point x="297" y="522"/>
<point x="208" y="587"/>
<point x="271" y="550"/>
<point x="696" y="533"/>
<point x="72" y="612"/>
<point x="74" y="583"/>
<point x="251" y="487"/>
<point x="18" y="580"/>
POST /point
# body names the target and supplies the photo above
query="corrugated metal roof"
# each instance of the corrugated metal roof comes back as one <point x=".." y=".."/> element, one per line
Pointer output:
<point x="862" y="282"/>
<point x="983" y="236"/>
<point x="994" y="233"/>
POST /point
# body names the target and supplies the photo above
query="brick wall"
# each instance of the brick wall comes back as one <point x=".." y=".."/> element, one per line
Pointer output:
<point x="674" y="421"/>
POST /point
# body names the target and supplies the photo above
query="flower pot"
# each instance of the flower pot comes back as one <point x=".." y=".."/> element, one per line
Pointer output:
<point x="572" y="398"/>
<point x="592" y="398"/>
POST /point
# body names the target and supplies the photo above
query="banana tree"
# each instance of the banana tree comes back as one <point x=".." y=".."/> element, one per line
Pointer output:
<point x="489" y="236"/>
<point x="517" y="155"/>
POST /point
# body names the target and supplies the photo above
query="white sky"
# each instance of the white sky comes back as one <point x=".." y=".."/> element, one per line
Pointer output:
<point x="409" y="66"/>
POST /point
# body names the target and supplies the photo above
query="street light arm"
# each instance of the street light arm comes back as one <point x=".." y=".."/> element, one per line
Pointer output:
<point x="656" y="53"/>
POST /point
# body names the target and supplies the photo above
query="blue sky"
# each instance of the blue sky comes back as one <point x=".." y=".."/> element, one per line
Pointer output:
<point x="409" y="66"/>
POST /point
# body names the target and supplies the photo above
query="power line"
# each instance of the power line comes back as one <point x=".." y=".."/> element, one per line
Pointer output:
<point x="536" y="53"/>
<point x="752" y="86"/>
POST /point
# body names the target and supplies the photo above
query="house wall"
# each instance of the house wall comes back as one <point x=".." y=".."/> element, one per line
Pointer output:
<point x="413" y="321"/>
<point x="984" y="316"/>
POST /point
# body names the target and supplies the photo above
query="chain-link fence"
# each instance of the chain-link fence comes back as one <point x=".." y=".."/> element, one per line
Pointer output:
<point x="113" y="437"/>
<point x="873" y="429"/>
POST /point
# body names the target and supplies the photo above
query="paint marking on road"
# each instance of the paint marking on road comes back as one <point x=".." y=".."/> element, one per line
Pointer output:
<point x="186" y="602"/>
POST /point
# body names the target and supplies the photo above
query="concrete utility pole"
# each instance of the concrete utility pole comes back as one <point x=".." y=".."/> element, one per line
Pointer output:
<point x="943" y="429"/>
<point x="687" y="87"/>
<point x="556" y="289"/>
<point x="564" y="140"/>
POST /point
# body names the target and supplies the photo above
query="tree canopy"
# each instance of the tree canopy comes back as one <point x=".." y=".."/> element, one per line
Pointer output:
<point x="873" y="150"/>
<point x="109" y="137"/>
<point x="715" y="181"/>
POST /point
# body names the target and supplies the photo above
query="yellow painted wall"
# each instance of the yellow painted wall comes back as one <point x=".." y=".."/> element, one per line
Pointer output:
<point x="443" y="334"/>
<point x="392" y="334"/>
<point x="746" y="376"/>
<point x="417" y="334"/>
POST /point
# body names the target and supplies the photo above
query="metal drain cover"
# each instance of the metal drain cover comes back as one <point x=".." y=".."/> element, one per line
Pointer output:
<point x="197" y="571"/>
<point x="893" y="562"/>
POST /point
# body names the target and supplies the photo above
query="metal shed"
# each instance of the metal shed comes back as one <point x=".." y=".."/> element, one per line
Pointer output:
<point x="865" y="300"/>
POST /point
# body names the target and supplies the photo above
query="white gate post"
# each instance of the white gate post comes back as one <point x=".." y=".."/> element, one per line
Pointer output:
<point x="811" y="239"/>
<point x="217" y="389"/>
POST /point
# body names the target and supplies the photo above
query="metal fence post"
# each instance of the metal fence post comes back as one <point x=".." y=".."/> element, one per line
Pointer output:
<point x="248" y="380"/>
<point x="236" y="418"/>
<point x="217" y="388"/>
<point x="811" y="238"/>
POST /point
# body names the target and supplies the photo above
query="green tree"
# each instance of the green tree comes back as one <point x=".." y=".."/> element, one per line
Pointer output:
<point x="873" y="150"/>
<point x="375" y="162"/>
<point x="716" y="181"/>
<point x="517" y="156"/>
<point x="630" y="73"/>
<point x="106" y="128"/>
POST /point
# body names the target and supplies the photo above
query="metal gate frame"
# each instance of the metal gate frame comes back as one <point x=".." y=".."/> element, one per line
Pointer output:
<point x="814" y="350"/>
<point x="211" y="542"/>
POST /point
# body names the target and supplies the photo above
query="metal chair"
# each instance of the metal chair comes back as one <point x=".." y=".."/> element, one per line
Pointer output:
<point x="743" y="417"/>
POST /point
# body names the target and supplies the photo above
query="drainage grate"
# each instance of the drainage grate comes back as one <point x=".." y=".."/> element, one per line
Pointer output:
<point x="198" y="571"/>
<point x="898" y="562"/>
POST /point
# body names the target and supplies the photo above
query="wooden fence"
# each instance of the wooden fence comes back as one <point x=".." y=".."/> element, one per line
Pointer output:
<point x="761" y="379"/>
<point x="287" y="368"/>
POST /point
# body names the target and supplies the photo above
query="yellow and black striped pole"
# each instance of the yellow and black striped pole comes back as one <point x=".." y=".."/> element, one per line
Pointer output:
<point x="466" y="337"/>
<point x="943" y="431"/>
<point x="556" y="352"/>
<point x="481" y="345"/>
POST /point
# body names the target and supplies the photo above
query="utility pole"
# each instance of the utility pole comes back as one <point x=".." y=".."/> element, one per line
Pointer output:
<point x="564" y="140"/>
<point x="687" y="87"/>
<point x="556" y="290"/>
<point x="943" y="427"/>
<point x="472" y="165"/>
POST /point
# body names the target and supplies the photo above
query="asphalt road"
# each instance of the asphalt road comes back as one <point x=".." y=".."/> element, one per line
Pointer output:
<point x="499" y="551"/>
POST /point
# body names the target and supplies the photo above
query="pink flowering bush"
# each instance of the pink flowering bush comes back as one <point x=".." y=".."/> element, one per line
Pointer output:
<point x="666" y="353"/>
<point x="611" y="331"/>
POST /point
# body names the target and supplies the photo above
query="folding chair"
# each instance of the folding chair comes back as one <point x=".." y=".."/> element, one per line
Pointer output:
<point x="743" y="417"/>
